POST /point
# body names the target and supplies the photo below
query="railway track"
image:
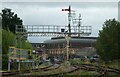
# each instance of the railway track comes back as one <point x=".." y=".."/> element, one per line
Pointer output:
<point x="99" y="69"/>
<point x="87" y="67"/>
<point x="59" y="73"/>
<point x="53" y="67"/>
<point x="26" y="72"/>
<point x="102" y="70"/>
<point x="13" y="73"/>
<point x="48" y="69"/>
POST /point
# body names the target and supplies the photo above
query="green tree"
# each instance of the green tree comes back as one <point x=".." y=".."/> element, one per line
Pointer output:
<point x="108" y="43"/>
<point x="10" y="20"/>
<point x="8" y="39"/>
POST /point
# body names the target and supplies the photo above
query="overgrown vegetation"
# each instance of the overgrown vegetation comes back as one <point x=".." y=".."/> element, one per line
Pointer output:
<point x="8" y="39"/>
<point x="9" y="21"/>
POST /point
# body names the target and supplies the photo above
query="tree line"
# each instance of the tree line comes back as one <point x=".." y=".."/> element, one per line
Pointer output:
<point x="108" y="42"/>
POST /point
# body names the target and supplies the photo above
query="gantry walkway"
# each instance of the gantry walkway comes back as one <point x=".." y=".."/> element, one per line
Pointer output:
<point x="52" y="30"/>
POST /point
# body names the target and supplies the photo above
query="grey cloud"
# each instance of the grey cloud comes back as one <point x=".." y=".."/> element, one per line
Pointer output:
<point x="64" y="4"/>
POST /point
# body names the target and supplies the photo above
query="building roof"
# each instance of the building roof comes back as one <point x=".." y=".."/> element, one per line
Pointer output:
<point x="83" y="40"/>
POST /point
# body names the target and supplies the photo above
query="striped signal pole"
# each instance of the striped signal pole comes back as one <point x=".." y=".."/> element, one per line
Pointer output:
<point x="68" y="35"/>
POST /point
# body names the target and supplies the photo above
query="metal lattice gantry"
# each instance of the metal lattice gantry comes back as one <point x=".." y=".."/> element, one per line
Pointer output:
<point x="52" y="30"/>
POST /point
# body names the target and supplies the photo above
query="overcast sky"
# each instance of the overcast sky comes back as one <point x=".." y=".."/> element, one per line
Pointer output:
<point x="50" y="13"/>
